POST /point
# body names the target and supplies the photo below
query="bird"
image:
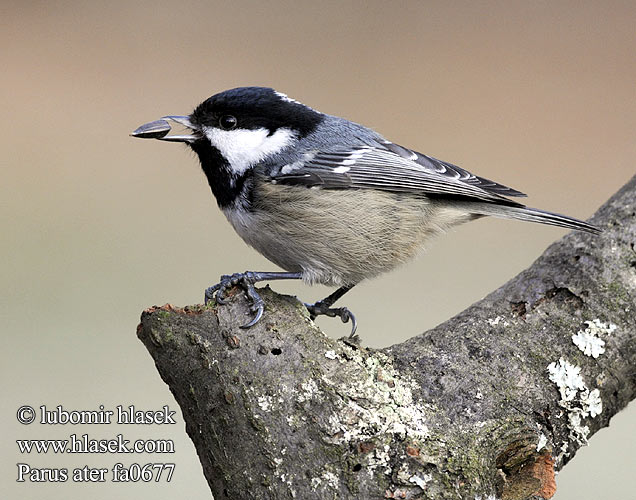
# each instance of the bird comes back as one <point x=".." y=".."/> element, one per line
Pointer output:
<point x="328" y="200"/>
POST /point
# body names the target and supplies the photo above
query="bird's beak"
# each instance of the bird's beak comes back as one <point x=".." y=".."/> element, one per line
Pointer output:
<point x="159" y="130"/>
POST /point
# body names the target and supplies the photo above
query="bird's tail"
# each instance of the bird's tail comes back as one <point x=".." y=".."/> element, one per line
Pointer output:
<point x="531" y="215"/>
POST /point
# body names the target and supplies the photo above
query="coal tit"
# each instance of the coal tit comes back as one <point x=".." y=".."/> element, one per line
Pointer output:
<point x="326" y="199"/>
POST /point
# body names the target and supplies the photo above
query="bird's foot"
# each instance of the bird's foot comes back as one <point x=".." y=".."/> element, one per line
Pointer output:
<point x="244" y="280"/>
<point x="322" y="308"/>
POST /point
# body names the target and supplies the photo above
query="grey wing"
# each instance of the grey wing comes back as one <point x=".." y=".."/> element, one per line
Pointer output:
<point x="389" y="167"/>
<point x="448" y="169"/>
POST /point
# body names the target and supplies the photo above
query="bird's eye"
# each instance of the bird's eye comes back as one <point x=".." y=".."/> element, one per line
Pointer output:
<point x="227" y="122"/>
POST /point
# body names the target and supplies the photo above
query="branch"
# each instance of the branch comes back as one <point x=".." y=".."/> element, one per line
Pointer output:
<point x="468" y="409"/>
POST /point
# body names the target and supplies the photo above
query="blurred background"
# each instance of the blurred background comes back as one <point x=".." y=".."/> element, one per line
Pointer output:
<point x="96" y="226"/>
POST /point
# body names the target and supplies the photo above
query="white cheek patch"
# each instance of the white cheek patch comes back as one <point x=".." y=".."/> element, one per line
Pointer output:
<point x="243" y="148"/>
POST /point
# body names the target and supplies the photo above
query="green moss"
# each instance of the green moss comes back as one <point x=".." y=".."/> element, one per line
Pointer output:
<point x="163" y="314"/>
<point x="199" y="308"/>
<point x="168" y="334"/>
<point x="161" y="330"/>
<point x="618" y="295"/>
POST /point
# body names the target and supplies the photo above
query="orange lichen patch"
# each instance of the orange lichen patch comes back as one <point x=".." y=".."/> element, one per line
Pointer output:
<point x="412" y="451"/>
<point x="530" y="479"/>
<point x="233" y="341"/>
<point x="543" y="470"/>
<point x="395" y="494"/>
<point x="365" y="447"/>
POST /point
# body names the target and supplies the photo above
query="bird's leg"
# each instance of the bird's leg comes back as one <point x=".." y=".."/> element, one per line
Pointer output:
<point x="323" y="307"/>
<point x="246" y="281"/>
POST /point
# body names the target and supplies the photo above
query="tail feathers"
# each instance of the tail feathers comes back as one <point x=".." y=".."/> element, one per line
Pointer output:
<point x="532" y="215"/>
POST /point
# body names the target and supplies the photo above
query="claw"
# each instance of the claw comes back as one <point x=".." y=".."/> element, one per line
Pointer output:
<point x="322" y="309"/>
<point x="209" y="294"/>
<point x="255" y="319"/>
<point x="246" y="282"/>
<point x="220" y="294"/>
<point x="354" y="323"/>
<point x="258" y="305"/>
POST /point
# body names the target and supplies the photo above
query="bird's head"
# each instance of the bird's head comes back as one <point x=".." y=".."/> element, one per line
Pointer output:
<point x="235" y="130"/>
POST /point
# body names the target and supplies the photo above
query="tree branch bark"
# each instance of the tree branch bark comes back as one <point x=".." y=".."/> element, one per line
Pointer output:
<point x="485" y="405"/>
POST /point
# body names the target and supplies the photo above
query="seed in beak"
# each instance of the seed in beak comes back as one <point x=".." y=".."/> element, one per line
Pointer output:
<point x="152" y="130"/>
